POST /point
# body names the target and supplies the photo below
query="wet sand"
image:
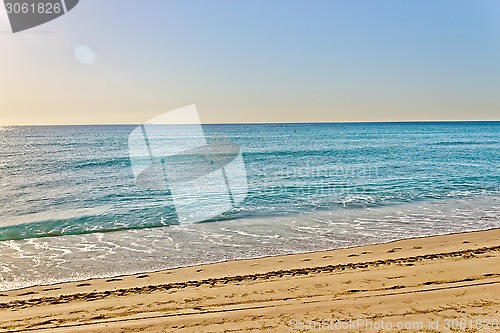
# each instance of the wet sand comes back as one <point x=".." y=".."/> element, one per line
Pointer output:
<point x="421" y="284"/>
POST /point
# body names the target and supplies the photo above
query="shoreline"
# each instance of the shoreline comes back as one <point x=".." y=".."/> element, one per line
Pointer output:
<point x="3" y="291"/>
<point x="307" y="285"/>
<point x="53" y="260"/>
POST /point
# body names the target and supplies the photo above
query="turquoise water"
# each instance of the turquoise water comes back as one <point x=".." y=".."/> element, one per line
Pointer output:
<point x="68" y="195"/>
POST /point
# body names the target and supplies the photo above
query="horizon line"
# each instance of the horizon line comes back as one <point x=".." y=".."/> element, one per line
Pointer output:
<point x="271" y="123"/>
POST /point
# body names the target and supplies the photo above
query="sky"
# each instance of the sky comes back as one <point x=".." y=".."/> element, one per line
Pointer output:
<point x="242" y="61"/>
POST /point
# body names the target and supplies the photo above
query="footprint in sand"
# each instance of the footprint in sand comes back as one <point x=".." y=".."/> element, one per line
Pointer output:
<point x="98" y="317"/>
<point x="143" y="276"/>
<point x="394" y="250"/>
<point x="428" y="283"/>
<point x="112" y="280"/>
<point x="27" y="293"/>
<point x="353" y="255"/>
<point x="83" y="284"/>
<point x="396" y="287"/>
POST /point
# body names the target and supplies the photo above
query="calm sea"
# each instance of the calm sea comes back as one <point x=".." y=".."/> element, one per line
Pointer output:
<point x="70" y="208"/>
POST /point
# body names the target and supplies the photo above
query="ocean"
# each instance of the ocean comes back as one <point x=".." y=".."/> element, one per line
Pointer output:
<point x="70" y="207"/>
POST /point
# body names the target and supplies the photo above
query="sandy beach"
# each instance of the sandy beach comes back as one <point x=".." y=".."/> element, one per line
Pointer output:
<point x="433" y="284"/>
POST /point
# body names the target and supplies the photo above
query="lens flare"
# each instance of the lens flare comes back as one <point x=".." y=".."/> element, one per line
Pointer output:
<point x="84" y="54"/>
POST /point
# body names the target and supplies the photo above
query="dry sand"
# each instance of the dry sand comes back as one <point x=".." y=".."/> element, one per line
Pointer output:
<point x="443" y="280"/>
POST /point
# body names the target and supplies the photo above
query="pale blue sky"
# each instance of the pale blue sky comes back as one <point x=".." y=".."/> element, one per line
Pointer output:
<point x="256" y="61"/>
